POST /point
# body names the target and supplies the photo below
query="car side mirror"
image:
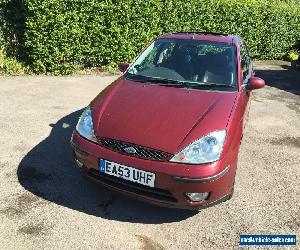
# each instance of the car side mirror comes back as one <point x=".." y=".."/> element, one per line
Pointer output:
<point x="255" y="83"/>
<point x="123" y="67"/>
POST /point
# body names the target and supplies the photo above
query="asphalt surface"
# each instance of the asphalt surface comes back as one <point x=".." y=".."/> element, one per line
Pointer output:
<point x="46" y="204"/>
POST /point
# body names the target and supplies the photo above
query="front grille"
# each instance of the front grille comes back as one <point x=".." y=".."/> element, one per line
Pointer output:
<point x="140" y="151"/>
<point x="152" y="192"/>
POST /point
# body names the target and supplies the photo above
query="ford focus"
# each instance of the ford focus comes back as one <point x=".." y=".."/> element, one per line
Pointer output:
<point x="168" y="130"/>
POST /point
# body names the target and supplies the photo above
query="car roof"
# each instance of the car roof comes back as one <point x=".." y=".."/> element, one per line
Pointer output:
<point x="205" y="36"/>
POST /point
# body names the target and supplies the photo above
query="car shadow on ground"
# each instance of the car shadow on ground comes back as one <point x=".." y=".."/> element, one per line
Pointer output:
<point x="49" y="172"/>
<point x="287" y="79"/>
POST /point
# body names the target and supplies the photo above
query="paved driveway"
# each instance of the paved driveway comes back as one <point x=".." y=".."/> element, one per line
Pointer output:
<point x="44" y="202"/>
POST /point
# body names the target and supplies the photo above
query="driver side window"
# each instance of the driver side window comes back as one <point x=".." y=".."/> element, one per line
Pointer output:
<point x="245" y="63"/>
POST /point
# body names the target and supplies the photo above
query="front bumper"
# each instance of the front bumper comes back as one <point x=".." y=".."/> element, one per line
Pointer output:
<point x="172" y="180"/>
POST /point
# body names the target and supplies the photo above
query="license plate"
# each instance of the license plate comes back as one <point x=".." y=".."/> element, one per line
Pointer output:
<point x="127" y="173"/>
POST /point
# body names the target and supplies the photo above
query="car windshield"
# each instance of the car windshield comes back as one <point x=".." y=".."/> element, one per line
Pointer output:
<point x="187" y="63"/>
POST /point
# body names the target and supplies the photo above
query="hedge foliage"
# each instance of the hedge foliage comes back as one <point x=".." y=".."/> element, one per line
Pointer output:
<point x="61" y="35"/>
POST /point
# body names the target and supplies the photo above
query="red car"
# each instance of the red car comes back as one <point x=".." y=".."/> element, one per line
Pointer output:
<point x="168" y="131"/>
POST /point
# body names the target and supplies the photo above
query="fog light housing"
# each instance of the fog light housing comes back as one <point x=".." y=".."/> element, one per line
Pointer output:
<point x="197" y="196"/>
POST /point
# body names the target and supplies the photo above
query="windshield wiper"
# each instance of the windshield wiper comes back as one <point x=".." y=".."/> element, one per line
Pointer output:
<point x="207" y="85"/>
<point x="135" y="77"/>
<point x="168" y="82"/>
<point x="176" y="83"/>
<point x="160" y="81"/>
<point x="188" y="84"/>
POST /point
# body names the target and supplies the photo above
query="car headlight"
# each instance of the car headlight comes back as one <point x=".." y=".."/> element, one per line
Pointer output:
<point x="85" y="125"/>
<point x="204" y="150"/>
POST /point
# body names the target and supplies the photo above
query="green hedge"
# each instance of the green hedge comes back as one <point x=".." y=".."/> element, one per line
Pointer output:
<point x="2" y="27"/>
<point x="87" y="33"/>
<point x="61" y="35"/>
<point x="12" y="28"/>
